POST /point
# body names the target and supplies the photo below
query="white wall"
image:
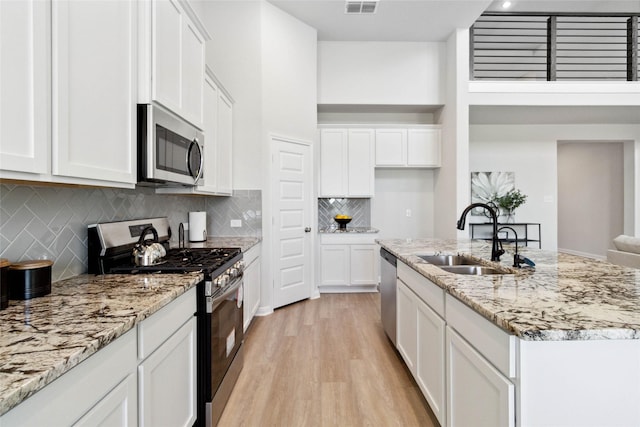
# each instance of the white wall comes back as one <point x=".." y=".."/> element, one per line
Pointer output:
<point x="267" y="61"/>
<point x="451" y="185"/>
<point x="531" y="152"/>
<point x="289" y="75"/>
<point x="289" y="55"/>
<point x="396" y="191"/>
<point x="532" y="159"/>
<point x="234" y="55"/>
<point x="590" y="197"/>
<point x="387" y="73"/>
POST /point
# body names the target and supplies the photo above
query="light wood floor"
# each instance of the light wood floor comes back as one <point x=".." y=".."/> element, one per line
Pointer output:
<point x="324" y="362"/>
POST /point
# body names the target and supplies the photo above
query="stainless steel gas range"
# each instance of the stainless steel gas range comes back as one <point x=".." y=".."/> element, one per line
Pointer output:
<point x="118" y="247"/>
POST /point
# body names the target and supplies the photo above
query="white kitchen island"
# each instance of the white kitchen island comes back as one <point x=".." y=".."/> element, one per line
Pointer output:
<point x="554" y="346"/>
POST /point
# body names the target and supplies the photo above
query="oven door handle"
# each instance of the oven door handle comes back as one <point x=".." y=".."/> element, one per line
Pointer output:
<point x="214" y="302"/>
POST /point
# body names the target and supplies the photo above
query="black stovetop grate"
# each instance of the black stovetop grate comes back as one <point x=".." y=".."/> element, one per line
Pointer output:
<point x="180" y="260"/>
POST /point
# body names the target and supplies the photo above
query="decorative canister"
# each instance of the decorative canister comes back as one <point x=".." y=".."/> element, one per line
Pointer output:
<point x="4" y="283"/>
<point x="30" y="279"/>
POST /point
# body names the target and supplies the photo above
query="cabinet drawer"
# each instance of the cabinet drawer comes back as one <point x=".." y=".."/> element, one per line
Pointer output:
<point x="251" y="255"/>
<point x="430" y="293"/>
<point x="158" y="328"/>
<point x="497" y="346"/>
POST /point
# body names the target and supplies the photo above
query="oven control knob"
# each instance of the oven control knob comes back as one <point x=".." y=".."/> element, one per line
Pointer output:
<point x="234" y="272"/>
<point x="222" y="280"/>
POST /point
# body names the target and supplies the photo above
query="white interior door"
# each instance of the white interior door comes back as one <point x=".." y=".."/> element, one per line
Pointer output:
<point x="292" y="205"/>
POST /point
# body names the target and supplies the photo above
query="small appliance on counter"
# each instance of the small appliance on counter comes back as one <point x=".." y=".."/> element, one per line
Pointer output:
<point x="219" y="297"/>
<point x="197" y="226"/>
<point x="30" y="279"/>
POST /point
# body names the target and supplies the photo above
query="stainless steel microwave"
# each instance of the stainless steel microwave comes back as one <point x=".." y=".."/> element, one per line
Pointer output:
<point x="170" y="150"/>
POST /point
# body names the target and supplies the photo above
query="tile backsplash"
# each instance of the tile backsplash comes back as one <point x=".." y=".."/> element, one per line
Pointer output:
<point x="245" y="205"/>
<point x="51" y="222"/>
<point x="358" y="209"/>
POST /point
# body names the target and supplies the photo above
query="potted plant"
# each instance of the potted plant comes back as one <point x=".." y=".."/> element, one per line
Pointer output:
<point x="509" y="202"/>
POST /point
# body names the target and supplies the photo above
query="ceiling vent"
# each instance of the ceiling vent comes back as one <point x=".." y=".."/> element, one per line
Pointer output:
<point x="360" y="7"/>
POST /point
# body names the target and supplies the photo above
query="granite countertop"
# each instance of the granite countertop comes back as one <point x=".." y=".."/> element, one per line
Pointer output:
<point x="348" y="230"/>
<point x="565" y="297"/>
<point x="42" y="338"/>
<point x="242" y="242"/>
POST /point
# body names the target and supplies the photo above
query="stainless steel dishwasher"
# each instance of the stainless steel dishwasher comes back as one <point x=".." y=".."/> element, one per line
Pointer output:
<point x="388" y="276"/>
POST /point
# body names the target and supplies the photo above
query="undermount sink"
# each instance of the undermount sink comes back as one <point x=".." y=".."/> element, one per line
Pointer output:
<point x="443" y="260"/>
<point x="476" y="270"/>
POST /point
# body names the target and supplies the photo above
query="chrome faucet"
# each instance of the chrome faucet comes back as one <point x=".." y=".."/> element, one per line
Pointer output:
<point x="518" y="259"/>
<point x="496" y="248"/>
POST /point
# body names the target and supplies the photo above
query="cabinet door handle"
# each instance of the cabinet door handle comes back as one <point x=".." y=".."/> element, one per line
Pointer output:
<point x="307" y="229"/>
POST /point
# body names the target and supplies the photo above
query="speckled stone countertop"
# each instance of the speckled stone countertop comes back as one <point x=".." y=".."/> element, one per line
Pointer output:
<point x="566" y="297"/>
<point x="244" y="243"/>
<point x="42" y="338"/>
<point x="348" y="230"/>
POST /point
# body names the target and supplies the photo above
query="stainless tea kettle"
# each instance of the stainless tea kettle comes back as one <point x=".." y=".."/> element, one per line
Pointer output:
<point x="148" y="252"/>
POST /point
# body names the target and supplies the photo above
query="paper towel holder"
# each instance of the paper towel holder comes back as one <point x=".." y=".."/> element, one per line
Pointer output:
<point x="197" y="226"/>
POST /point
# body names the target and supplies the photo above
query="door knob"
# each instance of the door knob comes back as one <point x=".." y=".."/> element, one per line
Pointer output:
<point x="307" y="229"/>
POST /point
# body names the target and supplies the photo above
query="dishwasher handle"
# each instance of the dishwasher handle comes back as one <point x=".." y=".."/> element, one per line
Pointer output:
<point x="389" y="257"/>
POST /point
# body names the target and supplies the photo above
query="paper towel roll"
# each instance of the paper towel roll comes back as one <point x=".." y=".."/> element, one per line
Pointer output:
<point x="197" y="226"/>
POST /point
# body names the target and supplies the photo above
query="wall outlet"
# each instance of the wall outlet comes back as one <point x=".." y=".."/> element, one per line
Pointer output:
<point x="236" y="223"/>
<point x="408" y="213"/>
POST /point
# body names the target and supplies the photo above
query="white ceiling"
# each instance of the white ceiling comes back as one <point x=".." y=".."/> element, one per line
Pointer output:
<point x="423" y="20"/>
<point x="394" y="20"/>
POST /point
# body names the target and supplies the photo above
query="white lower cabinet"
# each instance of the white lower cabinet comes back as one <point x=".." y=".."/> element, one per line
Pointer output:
<point x="478" y="394"/>
<point x="407" y="332"/>
<point x="348" y="263"/>
<point x="251" y="284"/>
<point x="167" y="381"/>
<point x="421" y="340"/>
<point x="167" y="365"/>
<point x="115" y="408"/>
<point x="334" y="265"/>
<point x="430" y="374"/>
<point x="473" y="373"/>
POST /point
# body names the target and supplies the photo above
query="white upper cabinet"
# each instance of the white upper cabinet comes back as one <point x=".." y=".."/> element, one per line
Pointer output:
<point x="413" y="147"/>
<point x="360" y="158"/>
<point x="93" y="82"/>
<point x="211" y="92"/>
<point x="225" y="142"/>
<point x="423" y="147"/>
<point x="68" y="80"/>
<point x="25" y="104"/>
<point x="391" y="147"/>
<point x="172" y="68"/>
<point x="346" y="163"/>
<point x="333" y="162"/>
